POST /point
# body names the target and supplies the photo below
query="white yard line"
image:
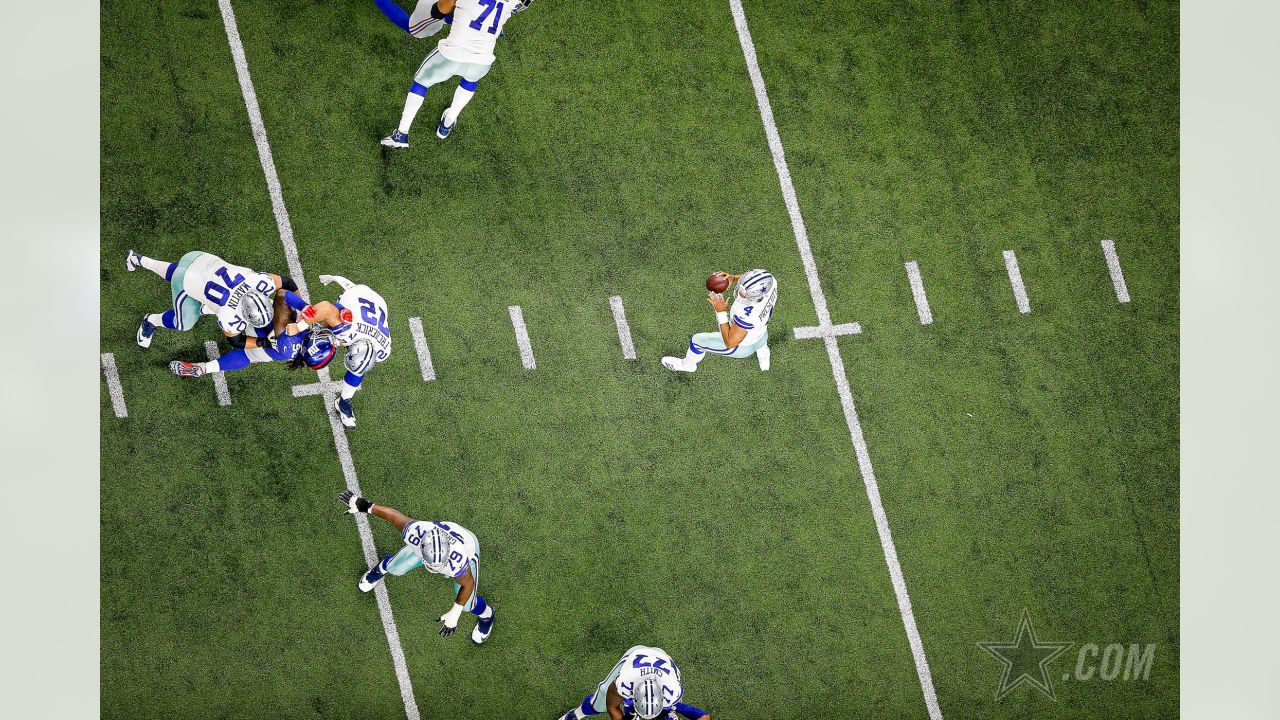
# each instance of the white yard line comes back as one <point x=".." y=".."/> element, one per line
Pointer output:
<point x="424" y="353"/>
<point x="1117" y="275"/>
<point x="219" y="379"/>
<point x="522" y="337"/>
<point x="113" y="385"/>
<point x="832" y="331"/>
<point x="624" y="330"/>
<point x="917" y="292"/>
<point x="295" y="270"/>
<point x="837" y="364"/>
<point x="1015" y="279"/>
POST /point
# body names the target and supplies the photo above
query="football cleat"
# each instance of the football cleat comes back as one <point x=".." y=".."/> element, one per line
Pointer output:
<point x="186" y="369"/>
<point x="146" y="331"/>
<point x="762" y="356"/>
<point x="442" y="130"/>
<point x="676" y="364"/>
<point x="369" y="580"/>
<point x="132" y="261"/>
<point x="481" y="631"/>
<point x="396" y="139"/>
<point x="346" y="412"/>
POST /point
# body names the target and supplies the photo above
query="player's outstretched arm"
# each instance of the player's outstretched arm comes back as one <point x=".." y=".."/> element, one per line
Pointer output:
<point x="356" y="504"/>
<point x="322" y="312"/>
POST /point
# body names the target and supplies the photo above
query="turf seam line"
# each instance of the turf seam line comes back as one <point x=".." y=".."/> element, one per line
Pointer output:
<point x="624" y="330"/>
<point x="219" y="379"/>
<point x="1015" y="279"/>
<point x="424" y="353"/>
<point x="917" y="293"/>
<point x="1113" y="266"/>
<point x="830" y="331"/>
<point x="837" y="363"/>
<point x="274" y="189"/>
<point x="114" y="389"/>
<point x="522" y="337"/>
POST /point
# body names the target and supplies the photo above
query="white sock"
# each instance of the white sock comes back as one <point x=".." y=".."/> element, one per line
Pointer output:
<point x="577" y="714"/>
<point x="461" y="97"/>
<point x="488" y="612"/>
<point x="156" y="319"/>
<point x="348" y="391"/>
<point x="210" y="366"/>
<point x="158" y="267"/>
<point x="411" y="105"/>
<point x="693" y="357"/>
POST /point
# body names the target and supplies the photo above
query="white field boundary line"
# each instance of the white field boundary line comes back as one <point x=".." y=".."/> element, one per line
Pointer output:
<point x="837" y="363"/>
<point x="917" y="293"/>
<point x="114" y="389"/>
<point x="1015" y="280"/>
<point x="424" y="352"/>
<point x="522" y="337"/>
<point x="830" y="331"/>
<point x="1113" y="266"/>
<point x="624" y="330"/>
<point x="295" y="269"/>
<point x="219" y="379"/>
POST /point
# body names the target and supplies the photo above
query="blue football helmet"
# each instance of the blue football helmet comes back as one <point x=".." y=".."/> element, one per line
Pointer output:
<point x="319" y="348"/>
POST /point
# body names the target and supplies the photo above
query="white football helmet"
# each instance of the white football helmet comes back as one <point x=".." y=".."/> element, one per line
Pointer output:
<point x="648" y="697"/>
<point x="755" y="285"/>
<point x="435" y="547"/>
<point x="256" y="310"/>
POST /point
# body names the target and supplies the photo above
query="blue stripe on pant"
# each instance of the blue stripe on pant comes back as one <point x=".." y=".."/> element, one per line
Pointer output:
<point x="713" y="342"/>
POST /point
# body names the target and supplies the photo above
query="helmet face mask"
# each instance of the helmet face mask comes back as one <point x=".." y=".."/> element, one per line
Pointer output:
<point x="647" y="697"/>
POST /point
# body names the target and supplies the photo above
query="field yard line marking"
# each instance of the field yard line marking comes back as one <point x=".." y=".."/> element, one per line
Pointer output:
<point x="837" y="366"/>
<point x="1117" y="275"/>
<point x="219" y="379"/>
<point x="624" y="330"/>
<point x="326" y="387"/>
<point x="917" y="292"/>
<point x="424" y="353"/>
<point x="1015" y="279"/>
<point x="295" y="269"/>
<point x="114" y="388"/>
<point x="264" y="148"/>
<point x="813" y="331"/>
<point x="522" y="337"/>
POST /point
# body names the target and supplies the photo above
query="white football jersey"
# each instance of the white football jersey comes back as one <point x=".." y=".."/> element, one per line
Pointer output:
<point x="475" y="30"/>
<point x="464" y="550"/>
<point x="642" y="661"/>
<point x="753" y="316"/>
<point x="220" y="286"/>
<point x="368" y="336"/>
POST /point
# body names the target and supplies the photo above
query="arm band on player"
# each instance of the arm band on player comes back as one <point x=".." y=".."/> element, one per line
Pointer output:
<point x="454" y="613"/>
<point x="689" y="711"/>
<point x="722" y="318"/>
<point x="295" y="301"/>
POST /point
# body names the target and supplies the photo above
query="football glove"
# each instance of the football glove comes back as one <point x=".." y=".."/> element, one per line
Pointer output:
<point x="449" y="620"/>
<point x="355" y="503"/>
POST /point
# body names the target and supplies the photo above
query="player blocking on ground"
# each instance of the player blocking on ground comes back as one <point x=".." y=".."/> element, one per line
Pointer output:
<point x="443" y="548"/>
<point x="645" y="683"/>
<point x="467" y="52"/>
<point x="743" y="329"/>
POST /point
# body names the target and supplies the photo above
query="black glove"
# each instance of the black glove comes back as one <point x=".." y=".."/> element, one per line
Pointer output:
<point x="354" y="502"/>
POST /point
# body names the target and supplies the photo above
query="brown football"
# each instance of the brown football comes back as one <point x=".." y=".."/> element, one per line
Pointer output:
<point x="718" y="282"/>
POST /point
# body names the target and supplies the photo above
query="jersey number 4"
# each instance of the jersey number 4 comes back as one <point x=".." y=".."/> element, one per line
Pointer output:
<point x="489" y="7"/>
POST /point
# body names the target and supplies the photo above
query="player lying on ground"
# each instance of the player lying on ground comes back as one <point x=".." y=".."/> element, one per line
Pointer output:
<point x="359" y="323"/>
<point x="467" y="52"/>
<point x="313" y="349"/>
<point x="441" y="547"/>
<point x="645" y="682"/>
<point x="202" y="283"/>
<point x="743" y="330"/>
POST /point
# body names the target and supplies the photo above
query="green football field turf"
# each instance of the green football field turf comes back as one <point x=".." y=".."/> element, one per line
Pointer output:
<point x="1024" y="461"/>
